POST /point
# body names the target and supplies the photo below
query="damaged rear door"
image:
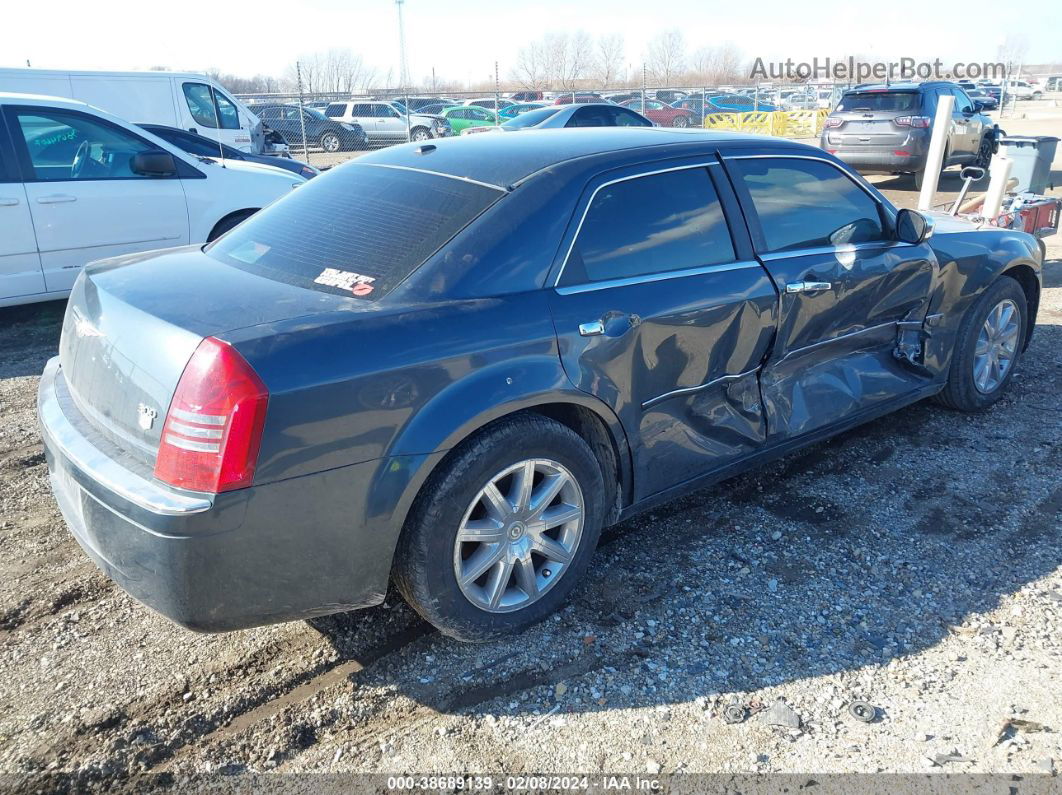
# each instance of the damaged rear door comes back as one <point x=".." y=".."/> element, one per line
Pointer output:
<point x="662" y="312"/>
<point x="852" y="298"/>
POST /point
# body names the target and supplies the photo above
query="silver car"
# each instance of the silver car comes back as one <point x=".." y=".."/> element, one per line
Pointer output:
<point x="553" y="117"/>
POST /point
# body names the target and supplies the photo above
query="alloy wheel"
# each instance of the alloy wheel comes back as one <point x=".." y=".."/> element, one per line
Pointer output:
<point x="996" y="346"/>
<point x="330" y="142"/>
<point x="519" y="535"/>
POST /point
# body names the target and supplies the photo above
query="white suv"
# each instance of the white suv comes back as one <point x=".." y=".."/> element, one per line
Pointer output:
<point x="384" y="123"/>
<point x="78" y="184"/>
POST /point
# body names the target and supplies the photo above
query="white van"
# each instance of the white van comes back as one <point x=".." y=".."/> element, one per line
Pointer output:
<point x="189" y="101"/>
<point x="78" y="184"/>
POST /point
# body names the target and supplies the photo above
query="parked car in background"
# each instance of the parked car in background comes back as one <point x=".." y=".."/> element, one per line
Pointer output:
<point x="1023" y="89"/>
<point x="577" y="97"/>
<point x="982" y="97"/>
<point x="885" y="129"/>
<point x="512" y="111"/>
<point x="385" y="124"/>
<point x="200" y="146"/>
<point x="555" y="117"/>
<point x="527" y="96"/>
<point x="669" y="96"/>
<point x="78" y="184"/>
<point x="738" y="103"/>
<point x="462" y="118"/>
<point x="659" y="113"/>
<point x="190" y="101"/>
<point x="489" y="104"/>
<point x="280" y="425"/>
<point x="329" y="134"/>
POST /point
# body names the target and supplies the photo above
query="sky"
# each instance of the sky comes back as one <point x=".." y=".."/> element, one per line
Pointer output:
<point x="461" y="39"/>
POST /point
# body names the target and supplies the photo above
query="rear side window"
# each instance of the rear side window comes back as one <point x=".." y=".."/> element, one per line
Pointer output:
<point x="653" y="224"/>
<point x="808" y="203"/>
<point x="336" y="109"/>
<point x="880" y="101"/>
<point x="358" y="233"/>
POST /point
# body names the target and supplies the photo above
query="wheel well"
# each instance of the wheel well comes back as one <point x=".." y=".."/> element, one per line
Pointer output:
<point x="595" y="433"/>
<point x="1026" y="277"/>
<point x="238" y="214"/>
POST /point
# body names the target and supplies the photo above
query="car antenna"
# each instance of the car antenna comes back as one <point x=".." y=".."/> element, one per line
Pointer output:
<point x="217" y="125"/>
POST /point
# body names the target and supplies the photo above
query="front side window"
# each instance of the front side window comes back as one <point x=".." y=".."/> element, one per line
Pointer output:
<point x="65" y="146"/>
<point x="211" y="108"/>
<point x="962" y="102"/>
<point x="808" y="203"/>
<point x="227" y="113"/>
<point x="652" y="224"/>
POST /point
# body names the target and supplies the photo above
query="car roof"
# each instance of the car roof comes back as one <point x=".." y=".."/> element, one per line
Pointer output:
<point x="504" y="160"/>
<point x="11" y="97"/>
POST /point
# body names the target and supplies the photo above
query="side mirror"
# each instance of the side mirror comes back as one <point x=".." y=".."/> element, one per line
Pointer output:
<point x="979" y="105"/>
<point x="975" y="173"/>
<point x="913" y="227"/>
<point x="154" y="163"/>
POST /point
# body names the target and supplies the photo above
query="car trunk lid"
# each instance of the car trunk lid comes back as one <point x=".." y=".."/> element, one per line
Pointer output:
<point x="129" y="332"/>
<point x="868" y="119"/>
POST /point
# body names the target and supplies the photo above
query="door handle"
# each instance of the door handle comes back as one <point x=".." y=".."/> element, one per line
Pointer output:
<point x="8" y="202"/>
<point x="56" y="198"/>
<point x="807" y="287"/>
<point x="594" y="329"/>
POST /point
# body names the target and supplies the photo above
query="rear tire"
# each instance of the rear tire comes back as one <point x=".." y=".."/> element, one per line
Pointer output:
<point x="681" y="121"/>
<point x="471" y="496"/>
<point x="967" y="389"/>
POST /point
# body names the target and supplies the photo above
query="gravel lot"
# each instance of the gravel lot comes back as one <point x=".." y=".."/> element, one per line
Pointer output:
<point x="913" y="564"/>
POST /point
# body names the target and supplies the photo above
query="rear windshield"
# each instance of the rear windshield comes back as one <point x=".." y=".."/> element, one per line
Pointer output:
<point x="880" y="101"/>
<point x="357" y="232"/>
<point x="531" y="118"/>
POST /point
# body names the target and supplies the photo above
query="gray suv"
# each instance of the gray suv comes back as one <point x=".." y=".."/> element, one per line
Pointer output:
<point x="885" y="129"/>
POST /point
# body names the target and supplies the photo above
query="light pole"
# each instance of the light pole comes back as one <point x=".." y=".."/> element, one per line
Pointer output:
<point x="403" y="69"/>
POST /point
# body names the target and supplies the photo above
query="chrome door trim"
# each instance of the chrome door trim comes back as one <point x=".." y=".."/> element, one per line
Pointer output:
<point x="655" y="277"/>
<point x="842" y="248"/>
<point x="831" y="340"/>
<point x="691" y="389"/>
<point x="590" y="202"/>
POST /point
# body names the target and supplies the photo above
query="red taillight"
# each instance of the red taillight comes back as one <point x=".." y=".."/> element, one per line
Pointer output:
<point x="900" y="152"/>
<point x="912" y="121"/>
<point x="213" y="430"/>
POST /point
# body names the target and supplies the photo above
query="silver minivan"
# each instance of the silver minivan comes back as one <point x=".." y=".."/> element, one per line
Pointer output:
<point x="385" y="124"/>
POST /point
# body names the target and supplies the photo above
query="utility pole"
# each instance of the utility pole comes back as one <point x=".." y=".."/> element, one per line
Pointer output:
<point x="302" y="113"/>
<point x="403" y="68"/>
<point x="497" y="96"/>
<point x="643" y="88"/>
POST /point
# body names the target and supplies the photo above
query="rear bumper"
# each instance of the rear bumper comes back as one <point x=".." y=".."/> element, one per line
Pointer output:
<point x="879" y="159"/>
<point x="212" y="563"/>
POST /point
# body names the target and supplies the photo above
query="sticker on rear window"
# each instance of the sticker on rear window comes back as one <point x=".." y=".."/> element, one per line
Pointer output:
<point x="357" y="283"/>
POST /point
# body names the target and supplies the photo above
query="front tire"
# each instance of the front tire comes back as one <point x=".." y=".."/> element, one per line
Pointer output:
<point x="988" y="348"/>
<point x="330" y="142"/>
<point x="504" y="531"/>
<point x="420" y="134"/>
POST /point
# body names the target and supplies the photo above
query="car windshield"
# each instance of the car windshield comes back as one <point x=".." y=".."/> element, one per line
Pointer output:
<point x="359" y="233"/>
<point x="880" y="101"/>
<point x="530" y="119"/>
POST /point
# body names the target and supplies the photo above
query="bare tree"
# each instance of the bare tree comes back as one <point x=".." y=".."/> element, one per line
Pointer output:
<point x="338" y="71"/>
<point x="666" y="56"/>
<point x="530" y="70"/>
<point x="609" y="55"/>
<point x="568" y="58"/>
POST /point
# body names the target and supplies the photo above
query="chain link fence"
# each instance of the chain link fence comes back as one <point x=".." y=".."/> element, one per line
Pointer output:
<point x="324" y="128"/>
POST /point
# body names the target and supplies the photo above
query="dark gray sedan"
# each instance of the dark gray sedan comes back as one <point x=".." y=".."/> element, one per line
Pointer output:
<point x="453" y="363"/>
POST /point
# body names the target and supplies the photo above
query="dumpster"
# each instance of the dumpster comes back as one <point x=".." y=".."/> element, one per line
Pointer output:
<point x="1032" y="156"/>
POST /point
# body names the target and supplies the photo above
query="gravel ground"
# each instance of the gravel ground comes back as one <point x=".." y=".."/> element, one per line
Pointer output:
<point x="913" y="564"/>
